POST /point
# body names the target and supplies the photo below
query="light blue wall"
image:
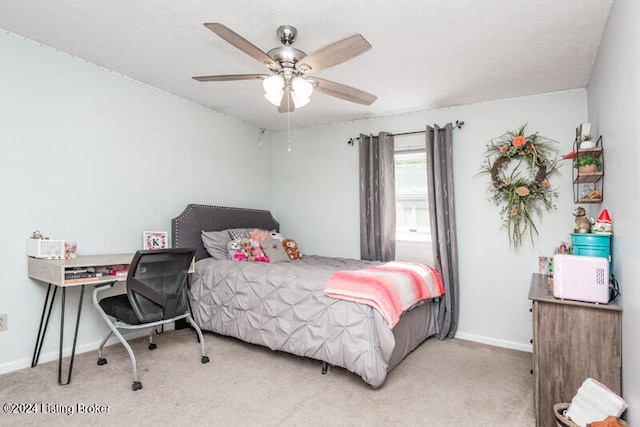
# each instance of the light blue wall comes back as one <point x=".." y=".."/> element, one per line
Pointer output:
<point x="614" y="108"/>
<point x="87" y="155"/>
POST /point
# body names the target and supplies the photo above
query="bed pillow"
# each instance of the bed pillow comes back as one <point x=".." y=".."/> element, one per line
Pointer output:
<point x="240" y="233"/>
<point x="215" y="242"/>
<point x="274" y="250"/>
<point x="275" y="235"/>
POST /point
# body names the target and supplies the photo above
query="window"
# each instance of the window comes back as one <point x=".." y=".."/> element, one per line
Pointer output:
<point x="412" y="209"/>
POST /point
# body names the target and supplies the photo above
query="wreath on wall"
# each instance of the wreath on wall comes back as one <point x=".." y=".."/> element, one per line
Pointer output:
<point x="520" y="167"/>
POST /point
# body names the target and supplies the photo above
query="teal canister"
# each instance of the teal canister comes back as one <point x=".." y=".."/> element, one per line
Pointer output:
<point x="592" y="244"/>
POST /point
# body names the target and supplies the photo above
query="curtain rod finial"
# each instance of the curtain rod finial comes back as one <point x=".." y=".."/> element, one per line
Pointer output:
<point x="459" y="124"/>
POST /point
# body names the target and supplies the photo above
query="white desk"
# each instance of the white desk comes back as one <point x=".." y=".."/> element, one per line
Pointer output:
<point x="52" y="271"/>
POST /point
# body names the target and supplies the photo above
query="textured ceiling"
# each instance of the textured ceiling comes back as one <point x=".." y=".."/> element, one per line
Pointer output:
<point x="426" y="53"/>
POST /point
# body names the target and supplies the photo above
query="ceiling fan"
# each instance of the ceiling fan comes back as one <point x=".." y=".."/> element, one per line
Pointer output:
<point x="288" y="85"/>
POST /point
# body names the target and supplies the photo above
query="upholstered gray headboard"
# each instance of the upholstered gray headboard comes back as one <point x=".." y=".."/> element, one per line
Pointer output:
<point x="187" y="227"/>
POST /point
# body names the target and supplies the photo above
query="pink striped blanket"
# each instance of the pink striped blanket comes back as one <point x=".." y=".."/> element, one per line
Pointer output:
<point x="390" y="288"/>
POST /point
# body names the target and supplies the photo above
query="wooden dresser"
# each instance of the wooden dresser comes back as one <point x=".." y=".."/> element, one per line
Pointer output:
<point x="572" y="341"/>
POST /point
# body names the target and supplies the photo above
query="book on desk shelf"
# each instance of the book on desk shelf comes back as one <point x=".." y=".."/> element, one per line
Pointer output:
<point x="78" y="274"/>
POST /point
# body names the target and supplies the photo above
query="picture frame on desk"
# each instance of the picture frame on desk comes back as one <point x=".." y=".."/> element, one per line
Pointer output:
<point x="155" y="240"/>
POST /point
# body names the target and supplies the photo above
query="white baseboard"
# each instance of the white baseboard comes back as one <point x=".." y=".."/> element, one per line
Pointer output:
<point x="53" y="355"/>
<point x="93" y="346"/>
<point x="495" y="342"/>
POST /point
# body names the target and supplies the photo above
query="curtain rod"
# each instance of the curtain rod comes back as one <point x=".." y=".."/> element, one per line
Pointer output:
<point x="458" y="125"/>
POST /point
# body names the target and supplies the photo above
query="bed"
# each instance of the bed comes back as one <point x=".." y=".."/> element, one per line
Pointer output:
<point x="283" y="306"/>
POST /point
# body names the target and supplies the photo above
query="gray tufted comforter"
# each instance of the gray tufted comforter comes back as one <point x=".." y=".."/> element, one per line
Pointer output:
<point x="282" y="306"/>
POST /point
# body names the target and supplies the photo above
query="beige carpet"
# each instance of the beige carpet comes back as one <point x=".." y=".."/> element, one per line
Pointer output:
<point x="442" y="383"/>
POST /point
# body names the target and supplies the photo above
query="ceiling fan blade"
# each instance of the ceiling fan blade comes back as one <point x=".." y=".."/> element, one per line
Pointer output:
<point x="286" y="105"/>
<point x="243" y="44"/>
<point x="334" y="54"/>
<point x="230" y="77"/>
<point x="345" y="92"/>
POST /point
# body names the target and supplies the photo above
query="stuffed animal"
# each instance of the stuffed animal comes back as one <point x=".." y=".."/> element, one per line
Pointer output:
<point x="583" y="224"/>
<point x="234" y="250"/>
<point x="258" y="253"/>
<point x="247" y="249"/>
<point x="291" y="248"/>
<point x="259" y="235"/>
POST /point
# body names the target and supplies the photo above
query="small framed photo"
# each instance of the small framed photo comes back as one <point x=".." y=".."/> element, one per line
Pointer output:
<point x="155" y="240"/>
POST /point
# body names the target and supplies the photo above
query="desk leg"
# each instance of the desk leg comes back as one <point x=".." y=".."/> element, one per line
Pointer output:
<point x="42" y="330"/>
<point x="75" y="336"/>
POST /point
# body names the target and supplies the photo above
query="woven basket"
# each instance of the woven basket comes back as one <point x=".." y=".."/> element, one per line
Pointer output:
<point x="562" y="421"/>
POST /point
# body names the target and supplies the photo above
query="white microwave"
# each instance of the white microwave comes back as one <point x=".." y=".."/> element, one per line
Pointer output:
<point x="581" y="278"/>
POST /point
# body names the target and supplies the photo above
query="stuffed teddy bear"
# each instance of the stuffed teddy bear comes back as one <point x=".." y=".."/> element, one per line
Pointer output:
<point x="291" y="248"/>
<point x="583" y="224"/>
<point x="247" y="250"/>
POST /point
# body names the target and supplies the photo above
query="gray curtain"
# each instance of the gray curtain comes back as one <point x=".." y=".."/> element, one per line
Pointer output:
<point x="443" y="224"/>
<point x="377" y="198"/>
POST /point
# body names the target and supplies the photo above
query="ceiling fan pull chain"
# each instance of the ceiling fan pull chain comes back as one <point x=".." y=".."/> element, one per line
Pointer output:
<point x="289" y="124"/>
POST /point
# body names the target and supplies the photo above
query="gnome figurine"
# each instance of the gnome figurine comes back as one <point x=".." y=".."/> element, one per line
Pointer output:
<point x="603" y="223"/>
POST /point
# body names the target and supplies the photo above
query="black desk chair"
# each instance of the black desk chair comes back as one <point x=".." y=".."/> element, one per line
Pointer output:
<point x="156" y="294"/>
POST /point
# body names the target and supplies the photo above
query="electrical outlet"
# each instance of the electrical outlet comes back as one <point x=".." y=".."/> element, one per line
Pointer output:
<point x="3" y="322"/>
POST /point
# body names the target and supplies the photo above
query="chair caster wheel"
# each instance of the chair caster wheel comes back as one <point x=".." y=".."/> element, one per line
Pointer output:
<point x="102" y="361"/>
<point x="137" y="385"/>
<point x="152" y="346"/>
<point x="204" y="359"/>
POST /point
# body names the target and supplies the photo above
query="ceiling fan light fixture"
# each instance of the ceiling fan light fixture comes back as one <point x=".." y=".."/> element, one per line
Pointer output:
<point x="273" y="83"/>
<point x="302" y="87"/>
<point x="299" y="101"/>
<point x="274" y="97"/>
<point x="302" y="91"/>
<point x="273" y="86"/>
